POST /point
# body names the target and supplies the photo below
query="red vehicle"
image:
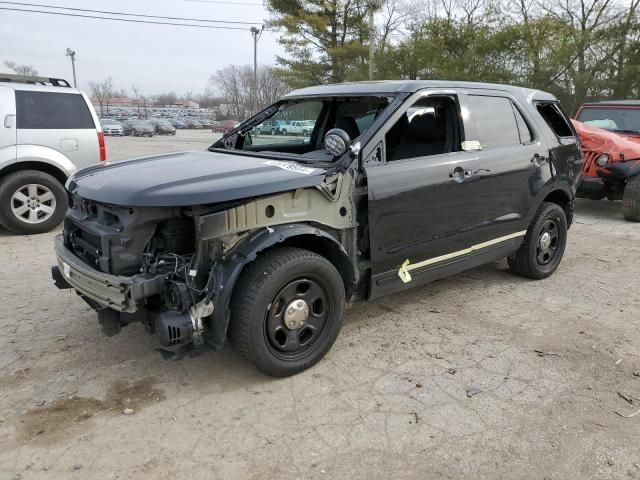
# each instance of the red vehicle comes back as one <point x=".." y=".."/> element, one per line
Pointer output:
<point x="225" y="126"/>
<point x="610" y="140"/>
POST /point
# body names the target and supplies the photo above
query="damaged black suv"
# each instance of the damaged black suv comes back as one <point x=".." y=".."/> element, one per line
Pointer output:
<point x="263" y="239"/>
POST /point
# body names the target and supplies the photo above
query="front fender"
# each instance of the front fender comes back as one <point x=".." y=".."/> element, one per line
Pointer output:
<point x="246" y="253"/>
<point x="620" y="170"/>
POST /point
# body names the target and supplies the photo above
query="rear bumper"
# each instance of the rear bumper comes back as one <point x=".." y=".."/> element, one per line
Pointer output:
<point x="124" y="294"/>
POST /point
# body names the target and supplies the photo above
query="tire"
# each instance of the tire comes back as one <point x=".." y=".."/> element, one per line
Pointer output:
<point x="273" y="131"/>
<point x="17" y="216"/>
<point x="263" y="296"/>
<point x="631" y="199"/>
<point x="283" y="132"/>
<point x="304" y="133"/>
<point x="534" y="261"/>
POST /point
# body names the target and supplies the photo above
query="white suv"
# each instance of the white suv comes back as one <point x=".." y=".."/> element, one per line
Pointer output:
<point x="48" y="131"/>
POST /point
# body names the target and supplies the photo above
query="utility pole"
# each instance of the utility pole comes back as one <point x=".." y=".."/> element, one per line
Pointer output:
<point x="255" y="33"/>
<point x="72" y="54"/>
<point x="371" y="39"/>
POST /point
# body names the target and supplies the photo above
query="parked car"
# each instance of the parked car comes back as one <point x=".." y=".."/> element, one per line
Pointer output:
<point x="205" y="122"/>
<point x="162" y="126"/>
<point x="268" y="127"/>
<point x="111" y="127"/>
<point x="192" y="123"/>
<point x="49" y="131"/>
<point x="264" y="244"/>
<point x="138" y="128"/>
<point x="225" y="126"/>
<point x="611" y="167"/>
<point x="177" y="123"/>
<point x="297" y="127"/>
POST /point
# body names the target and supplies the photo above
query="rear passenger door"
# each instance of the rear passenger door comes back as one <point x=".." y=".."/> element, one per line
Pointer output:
<point x="435" y="212"/>
<point x="7" y="126"/>
<point x="58" y="121"/>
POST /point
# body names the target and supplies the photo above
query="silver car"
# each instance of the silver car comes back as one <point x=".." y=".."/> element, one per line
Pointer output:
<point x="111" y="127"/>
<point x="49" y="130"/>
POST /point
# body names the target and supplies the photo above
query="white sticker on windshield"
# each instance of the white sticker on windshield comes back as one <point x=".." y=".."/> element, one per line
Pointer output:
<point x="291" y="166"/>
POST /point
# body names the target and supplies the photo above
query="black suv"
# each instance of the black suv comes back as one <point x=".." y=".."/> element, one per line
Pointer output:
<point x="264" y="240"/>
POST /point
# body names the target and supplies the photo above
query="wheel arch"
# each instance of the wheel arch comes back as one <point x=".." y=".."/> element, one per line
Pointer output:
<point x="308" y="237"/>
<point x="58" y="173"/>
<point x="563" y="199"/>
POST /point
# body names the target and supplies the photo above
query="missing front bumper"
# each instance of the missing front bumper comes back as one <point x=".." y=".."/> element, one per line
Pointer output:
<point x="123" y="294"/>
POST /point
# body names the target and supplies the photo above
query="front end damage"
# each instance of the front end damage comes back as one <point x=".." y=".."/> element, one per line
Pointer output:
<point x="173" y="268"/>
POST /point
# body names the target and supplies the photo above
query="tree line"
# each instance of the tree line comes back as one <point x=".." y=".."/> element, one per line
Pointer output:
<point x="576" y="49"/>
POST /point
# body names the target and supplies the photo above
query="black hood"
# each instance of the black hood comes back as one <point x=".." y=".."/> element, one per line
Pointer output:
<point x="190" y="178"/>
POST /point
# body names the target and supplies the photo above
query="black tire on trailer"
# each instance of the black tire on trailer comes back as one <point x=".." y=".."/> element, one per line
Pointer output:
<point x="543" y="245"/>
<point x="286" y="310"/>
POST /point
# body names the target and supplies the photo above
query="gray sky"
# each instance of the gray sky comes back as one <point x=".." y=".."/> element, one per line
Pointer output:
<point x="156" y="58"/>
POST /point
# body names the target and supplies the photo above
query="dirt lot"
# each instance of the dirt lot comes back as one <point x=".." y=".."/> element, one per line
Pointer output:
<point x="483" y="375"/>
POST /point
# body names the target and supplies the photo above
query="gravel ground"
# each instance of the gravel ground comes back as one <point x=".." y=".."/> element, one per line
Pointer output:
<point x="482" y="375"/>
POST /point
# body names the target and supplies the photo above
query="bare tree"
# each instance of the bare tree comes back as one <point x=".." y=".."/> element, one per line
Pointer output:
<point x="21" y="69"/>
<point x="103" y="92"/>
<point x="235" y="84"/>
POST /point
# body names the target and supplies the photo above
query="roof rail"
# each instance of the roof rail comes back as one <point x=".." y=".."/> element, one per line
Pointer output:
<point x="56" y="82"/>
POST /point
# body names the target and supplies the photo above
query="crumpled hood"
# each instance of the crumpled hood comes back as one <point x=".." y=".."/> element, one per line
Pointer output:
<point x="604" y="141"/>
<point x="190" y="178"/>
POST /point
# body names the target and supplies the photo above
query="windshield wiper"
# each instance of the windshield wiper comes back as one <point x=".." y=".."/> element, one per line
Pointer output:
<point x="627" y="131"/>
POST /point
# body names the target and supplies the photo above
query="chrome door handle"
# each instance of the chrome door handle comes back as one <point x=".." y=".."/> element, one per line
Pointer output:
<point x="459" y="174"/>
<point x="538" y="159"/>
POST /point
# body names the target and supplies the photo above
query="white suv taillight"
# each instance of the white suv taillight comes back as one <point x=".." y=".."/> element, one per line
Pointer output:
<point x="101" y="146"/>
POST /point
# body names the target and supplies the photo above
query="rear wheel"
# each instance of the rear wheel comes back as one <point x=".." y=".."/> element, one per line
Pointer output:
<point x="286" y="311"/>
<point x="543" y="245"/>
<point x="631" y="199"/>
<point x="283" y="132"/>
<point x="31" y="202"/>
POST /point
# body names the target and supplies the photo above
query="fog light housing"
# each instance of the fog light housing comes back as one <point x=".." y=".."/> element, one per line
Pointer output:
<point x="602" y="160"/>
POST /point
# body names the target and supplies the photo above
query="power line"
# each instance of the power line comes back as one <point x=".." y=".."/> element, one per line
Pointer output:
<point x="130" y="20"/>
<point x="224" y="2"/>
<point x="129" y="14"/>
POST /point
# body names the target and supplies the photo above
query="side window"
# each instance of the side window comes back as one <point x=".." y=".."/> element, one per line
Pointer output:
<point x="495" y="121"/>
<point x="526" y="136"/>
<point x="431" y="126"/>
<point x="47" y="110"/>
<point x="555" y="118"/>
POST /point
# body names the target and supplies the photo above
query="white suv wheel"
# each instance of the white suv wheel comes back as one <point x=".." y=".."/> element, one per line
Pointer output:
<point x="33" y="203"/>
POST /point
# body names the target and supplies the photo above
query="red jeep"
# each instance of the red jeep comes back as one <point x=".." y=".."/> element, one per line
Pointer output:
<point x="610" y="139"/>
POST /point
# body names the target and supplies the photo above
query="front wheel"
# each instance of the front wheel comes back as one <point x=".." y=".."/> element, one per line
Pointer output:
<point x="286" y="311"/>
<point x="543" y="245"/>
<point x="631" y="199"/>
<point x="31" y="202"/>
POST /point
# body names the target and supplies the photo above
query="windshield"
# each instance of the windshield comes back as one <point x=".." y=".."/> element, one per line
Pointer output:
<point x="139" y="124"/>
<point x="616" y="119"/>
<point x="296" y="131"/>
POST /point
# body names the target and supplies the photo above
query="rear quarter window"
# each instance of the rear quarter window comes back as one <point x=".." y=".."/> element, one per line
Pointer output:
<point x="49" y="110"/>
<point x="555" y="118"/>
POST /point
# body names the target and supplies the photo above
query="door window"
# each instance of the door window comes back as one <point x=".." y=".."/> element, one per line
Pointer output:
<point x="430" y="126"/>
<point x="526" y="135"/>
<point x="495" y="121"/>
<point x="46" y="110"/>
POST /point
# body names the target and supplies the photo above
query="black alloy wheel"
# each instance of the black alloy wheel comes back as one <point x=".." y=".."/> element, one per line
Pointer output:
<point x="286" y="310"/>
<point x="543" y="246"/>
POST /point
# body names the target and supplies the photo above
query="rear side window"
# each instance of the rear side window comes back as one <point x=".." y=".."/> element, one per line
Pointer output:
<point x="47" y="110"/>
<point x="555" y="119"/>
<point x="495" y="121"/>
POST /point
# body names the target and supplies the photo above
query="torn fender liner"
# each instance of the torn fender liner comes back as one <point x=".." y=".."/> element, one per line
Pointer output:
<point x="190" y="178"/>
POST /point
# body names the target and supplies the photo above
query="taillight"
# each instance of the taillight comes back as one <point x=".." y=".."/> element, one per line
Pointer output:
<point x="103" y="149"/>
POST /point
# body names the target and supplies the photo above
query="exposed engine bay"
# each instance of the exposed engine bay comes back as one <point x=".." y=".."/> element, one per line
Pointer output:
<point x="168" y="266"/>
